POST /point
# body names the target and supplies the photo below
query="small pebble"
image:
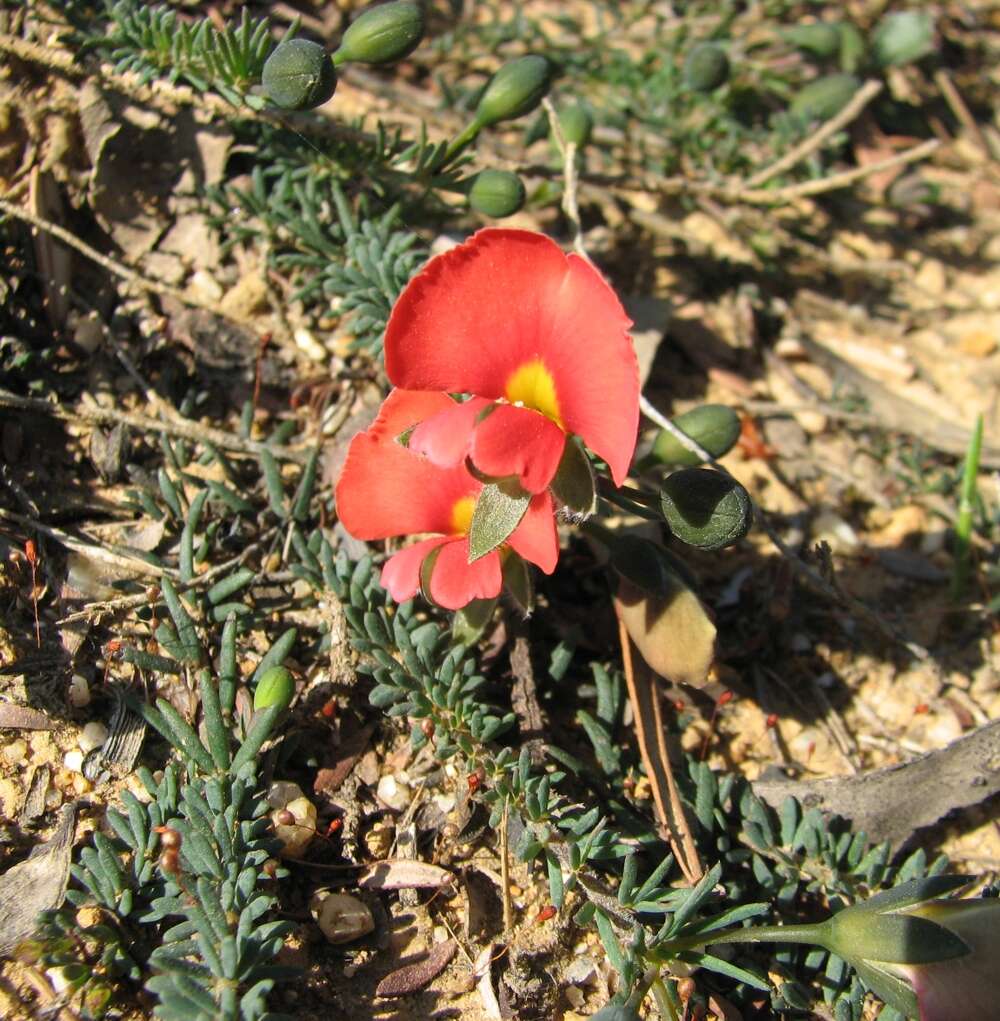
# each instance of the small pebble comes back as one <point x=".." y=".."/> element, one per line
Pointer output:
<point x="15" y="752"/>
<point x="341" y="917"/>
<point x="92" y="736"/>
<point x="79" y="692"/>
<point x="73" y="760"/>
<point x="393" y="794"/>
<point x="53" y="798"/>
<point x="81" y="785"/>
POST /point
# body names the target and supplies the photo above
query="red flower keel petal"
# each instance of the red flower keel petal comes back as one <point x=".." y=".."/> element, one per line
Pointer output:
<point x="518" y="442"/>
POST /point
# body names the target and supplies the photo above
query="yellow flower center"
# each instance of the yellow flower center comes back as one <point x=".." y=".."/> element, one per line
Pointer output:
<point x="532" y="386"/>
<point x="461" y="515"/>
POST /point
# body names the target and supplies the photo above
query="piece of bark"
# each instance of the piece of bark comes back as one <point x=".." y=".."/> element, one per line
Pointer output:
<point x="892" y="803"/>
<point x="20" y="717"/>
<point x="414" y="977"/>
<point x="36" y="884"/>
<point x="524" y="698"/>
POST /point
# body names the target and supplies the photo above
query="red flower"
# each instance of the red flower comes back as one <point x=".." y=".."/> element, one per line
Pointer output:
<point x="538" y="336"/>
<point x="387" y="489"/>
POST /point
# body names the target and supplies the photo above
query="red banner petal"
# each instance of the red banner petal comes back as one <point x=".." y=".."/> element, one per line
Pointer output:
<point x="510" y="298"/>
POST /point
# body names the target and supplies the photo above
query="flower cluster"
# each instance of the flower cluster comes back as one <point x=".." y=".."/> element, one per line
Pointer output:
<point x="536" y="344"/>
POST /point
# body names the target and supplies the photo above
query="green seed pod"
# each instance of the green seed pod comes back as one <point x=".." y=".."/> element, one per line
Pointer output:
<point x="706" y="508"/>
<point x="496" y="193"/>
<point x="852" y="48"/>
<point x="903" y="37"/>
<point x="576" y="125"/>
<point x="706" y="67"/>
<point x="276" y="687"/>
<point x="714" y="426"/>
<point x="516" y="89"/>
<point x="382" y="34"/>
<point x="299" y="75"/>
<point x="821" y="39"/>
<point x="824" y="98"/>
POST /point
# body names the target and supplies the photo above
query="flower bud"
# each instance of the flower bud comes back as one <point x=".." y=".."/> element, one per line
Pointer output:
<point x="714" y="427"/>
<point x="299" y="75"/>
<point x="276" y="687"/>
<point x="706" y="67"/>
<point x="852" y="48"/>
<point x="576" y="125"/>
<point x="705" y="508"/>
<point x="382" y="34"/>
<point x="655" y="603"/>
<point x="903" y="37"/>
<point x="935" y="958"/>
<point x="516" y="89"/>
<point x="821" y="38"/>
<point x="825" y="97"/>
<point x="497" y="193"/>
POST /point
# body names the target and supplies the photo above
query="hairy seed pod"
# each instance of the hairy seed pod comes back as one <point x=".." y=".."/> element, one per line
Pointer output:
<point x="705" y="508"/>
<point x="497" y="193"/>
<point x="821" y="38"/>
<point x="706" y="67"/>
<point x="516" y="89"/>
<point x="299" y="75"/>
<point x="714" y="426"/>
<point x="902" y="38"/>
<point x="576" y="125"/>
<point x="382" y="34"/>
<point x="824" y="98"/>
<point x="276" y="687"/>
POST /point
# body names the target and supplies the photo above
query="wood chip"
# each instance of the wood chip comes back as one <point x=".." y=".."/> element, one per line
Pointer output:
<point x="414" y="977"/>
<point x="20" y="717"/>
<point x="34" y="800"/>
<point x="404" y="874"/>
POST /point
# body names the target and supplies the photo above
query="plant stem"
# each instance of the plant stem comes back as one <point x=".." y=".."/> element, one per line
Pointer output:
<point x="966" y="505"/>
<point x="459" y="142"/>
<point x="815" y="933"/>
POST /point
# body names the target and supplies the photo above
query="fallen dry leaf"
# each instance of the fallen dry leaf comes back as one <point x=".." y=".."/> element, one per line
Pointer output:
<point x="403" y="874"/>
<point x="415" y="976"/>
<point x="36" y="884"/>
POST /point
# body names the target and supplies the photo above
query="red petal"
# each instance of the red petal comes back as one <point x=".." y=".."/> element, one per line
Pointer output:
<point x="507" y="298"/>
<point x="536" y="538"/>
<point x="521" y="442"/>
<point x="455" y="582"/>
<point x="403" y="409"/>
<point x="444" y="438"/>
<point x="385" y="489"/>
<point x="401" y="572"/>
